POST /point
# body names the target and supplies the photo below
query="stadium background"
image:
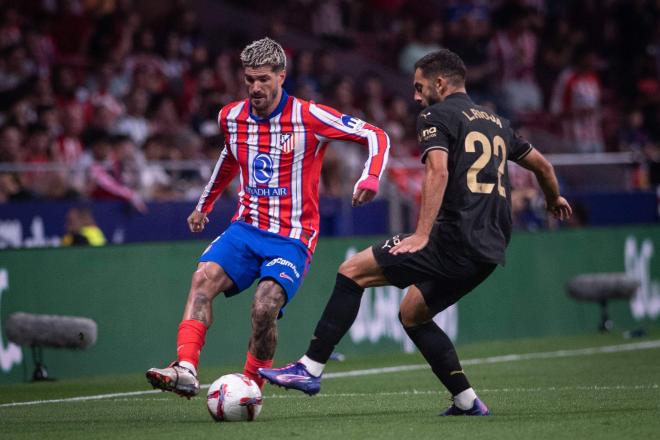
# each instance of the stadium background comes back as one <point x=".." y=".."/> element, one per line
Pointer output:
<point x="111" y="104"/>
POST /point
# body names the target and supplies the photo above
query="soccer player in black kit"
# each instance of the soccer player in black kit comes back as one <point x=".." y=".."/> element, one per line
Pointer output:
<point x="463" y="229"/>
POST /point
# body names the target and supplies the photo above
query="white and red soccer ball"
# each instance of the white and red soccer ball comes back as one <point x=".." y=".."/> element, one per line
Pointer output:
<point x="233" y="398"/>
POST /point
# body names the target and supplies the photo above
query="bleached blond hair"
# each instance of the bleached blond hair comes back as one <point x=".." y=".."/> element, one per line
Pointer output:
<point x="264" y="52"/>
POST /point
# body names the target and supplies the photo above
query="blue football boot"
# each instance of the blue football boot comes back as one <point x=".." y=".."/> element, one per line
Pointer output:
<point x="478" y="409"/>
<point x="293" y="376"/>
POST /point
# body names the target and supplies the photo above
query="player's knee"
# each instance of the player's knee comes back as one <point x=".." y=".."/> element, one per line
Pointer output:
<point x="350" y="268"/>
<point x="209" y="278"/>
<point x="267" y="301"/>
<point x="404" y="318"/>
<point x="409" y="318"/>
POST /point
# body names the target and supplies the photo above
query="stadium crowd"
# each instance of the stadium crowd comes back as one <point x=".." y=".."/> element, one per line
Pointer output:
<point x="105" y="96"/>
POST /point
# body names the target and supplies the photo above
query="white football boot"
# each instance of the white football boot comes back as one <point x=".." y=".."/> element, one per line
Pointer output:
<point x="175" y="378"/>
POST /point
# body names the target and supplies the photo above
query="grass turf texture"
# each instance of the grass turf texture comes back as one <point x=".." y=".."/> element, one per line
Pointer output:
<point x="609" y="395"/>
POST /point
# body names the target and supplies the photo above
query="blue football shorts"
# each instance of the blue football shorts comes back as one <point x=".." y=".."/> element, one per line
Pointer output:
<point x="247" y="253"/>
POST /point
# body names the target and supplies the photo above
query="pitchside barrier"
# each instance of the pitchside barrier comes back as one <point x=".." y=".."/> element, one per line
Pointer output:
<point x="136" y="293"/>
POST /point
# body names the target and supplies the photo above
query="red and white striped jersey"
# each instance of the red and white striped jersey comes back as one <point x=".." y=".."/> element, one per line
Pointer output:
<point x="278" y="160"/>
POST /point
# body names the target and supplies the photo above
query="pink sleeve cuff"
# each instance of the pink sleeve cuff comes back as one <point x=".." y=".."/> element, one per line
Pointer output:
<point x="370" y="183"/>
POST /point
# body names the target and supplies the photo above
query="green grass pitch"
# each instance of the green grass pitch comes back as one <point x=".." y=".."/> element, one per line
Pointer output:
<point x="570" y="394"/>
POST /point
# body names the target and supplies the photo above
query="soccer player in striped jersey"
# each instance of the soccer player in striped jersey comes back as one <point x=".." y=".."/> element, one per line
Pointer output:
<point x="275" y="143"/>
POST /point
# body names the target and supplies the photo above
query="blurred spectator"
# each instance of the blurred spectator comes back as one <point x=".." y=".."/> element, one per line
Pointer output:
<point x="106" y="178"/>
<point x="69" y="147"/>
<point x="556" y="52"/>
<point x="154" y="180"/>
<point x="373" y="103"/>
<point x="10" y="143"/>
<point x="15" y="67"/>
<point x="426" y="39"/>
<point x="326" y="72"/>
<point x="469" y="39"/>
<point x="38" y="150"/>
<point x="513" y="54"/>
<point x="134" y="123"/>
<point x="81" y="229"/>
<point x="84" y="70"/>
<point x="576" y="101"/>
<point x="633" y="137"/>
<point x="11" y="188"/>
<point x="527" y="200"/>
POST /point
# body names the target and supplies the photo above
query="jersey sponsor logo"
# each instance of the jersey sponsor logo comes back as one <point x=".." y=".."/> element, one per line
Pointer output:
<point x="352" y="122"/>
<point x="286" y="276"/>
<point x="287" y="142"/>
<point x="425" y="115"/>
<point x="279" y="191"/>
<point x="429" y="133"/>
<point x="262" y="168"/>
<point x="286" y="263"/>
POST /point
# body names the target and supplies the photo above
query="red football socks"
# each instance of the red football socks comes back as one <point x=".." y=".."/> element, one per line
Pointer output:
<point x="251" y="366"/>
<point x="190" y="340"/>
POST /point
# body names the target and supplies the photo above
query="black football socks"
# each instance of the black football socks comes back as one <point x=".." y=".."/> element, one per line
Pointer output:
<point x="439" y="352"/>
<point x="337" y="318"/>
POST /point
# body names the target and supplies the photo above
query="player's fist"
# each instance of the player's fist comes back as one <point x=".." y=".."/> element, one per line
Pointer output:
<point x="365" y="190"/>
<point x="560" y="208"/>
<point x="197" y="220"/>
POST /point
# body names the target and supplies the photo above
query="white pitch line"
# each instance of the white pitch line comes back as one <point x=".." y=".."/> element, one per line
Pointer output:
<point x="653" y="386"/>
<point x="507" y="358"/>
<point x="646" y="345"/>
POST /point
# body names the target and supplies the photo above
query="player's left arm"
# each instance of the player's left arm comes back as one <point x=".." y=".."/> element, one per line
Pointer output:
<point x="331" y="124"/>
<point x="436" y="176"/>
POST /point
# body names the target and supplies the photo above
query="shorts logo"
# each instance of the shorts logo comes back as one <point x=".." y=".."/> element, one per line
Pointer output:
<point x="352" y="122"/>
<point x="285" y="276"/>
<point x="286" y="263"/>
<point x="262" y="168"/>
<point x="395" y="240"/>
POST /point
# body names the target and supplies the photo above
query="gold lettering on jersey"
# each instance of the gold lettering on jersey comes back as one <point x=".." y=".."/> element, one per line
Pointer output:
<point x="478" y="114"/>
<point x="428" y="133"/>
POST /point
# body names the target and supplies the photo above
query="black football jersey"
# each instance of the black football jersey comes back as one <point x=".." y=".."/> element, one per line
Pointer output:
<point x="475" y="216"/>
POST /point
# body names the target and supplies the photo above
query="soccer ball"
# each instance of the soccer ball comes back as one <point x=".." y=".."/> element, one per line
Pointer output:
<point x="234" y="398"/>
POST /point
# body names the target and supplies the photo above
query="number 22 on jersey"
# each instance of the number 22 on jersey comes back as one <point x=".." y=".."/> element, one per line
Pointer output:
<point x="497" y="148"/>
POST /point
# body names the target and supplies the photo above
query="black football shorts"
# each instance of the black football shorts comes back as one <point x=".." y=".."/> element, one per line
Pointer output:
<point x="443" y="276"/>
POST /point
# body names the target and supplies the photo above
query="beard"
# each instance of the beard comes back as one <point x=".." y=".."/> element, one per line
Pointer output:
<point x="433" y="97"/>
<point x="263" y="101"/>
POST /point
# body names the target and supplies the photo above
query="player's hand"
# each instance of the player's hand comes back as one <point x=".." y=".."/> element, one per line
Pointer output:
<point x="365" y="191"/>
<point x="559" y="208"/>
<point x="362" y="196"/>
<point x="412" y="243"/>
<point x="197" y="220"/>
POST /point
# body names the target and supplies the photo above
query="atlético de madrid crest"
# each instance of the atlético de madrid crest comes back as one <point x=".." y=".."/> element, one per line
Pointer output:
<point x="287" y="142"/>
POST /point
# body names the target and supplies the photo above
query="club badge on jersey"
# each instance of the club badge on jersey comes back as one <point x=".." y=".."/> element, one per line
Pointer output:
<point x="287" y="142"/>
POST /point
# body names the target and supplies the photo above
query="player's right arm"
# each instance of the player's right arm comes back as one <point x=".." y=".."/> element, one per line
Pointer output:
<point x="226" y="168"/>
<point x="434" y="138"/>
<point x="545" y="175"/>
